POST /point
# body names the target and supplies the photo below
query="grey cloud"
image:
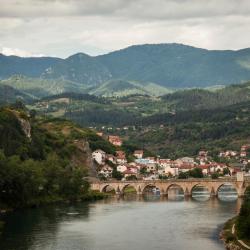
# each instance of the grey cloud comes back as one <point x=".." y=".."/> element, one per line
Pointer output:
<point x="144" y="9"/>
<point x="61" y="28"/>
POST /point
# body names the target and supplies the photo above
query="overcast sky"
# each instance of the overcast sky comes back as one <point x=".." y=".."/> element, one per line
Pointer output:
<point x="64" y="27"/>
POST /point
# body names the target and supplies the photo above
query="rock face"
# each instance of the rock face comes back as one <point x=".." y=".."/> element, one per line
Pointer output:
<point x="84" y="157"/>
<point x="25" y="125"/>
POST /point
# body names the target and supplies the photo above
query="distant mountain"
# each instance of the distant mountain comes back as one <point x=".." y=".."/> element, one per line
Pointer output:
<point x="125" y="88"/>
<point x="80" y="68"/>
<point x="32" y="67"/>
<point x="179" y="66"/>
<point x="10" y="95"/>
<point x="168" y="65"/>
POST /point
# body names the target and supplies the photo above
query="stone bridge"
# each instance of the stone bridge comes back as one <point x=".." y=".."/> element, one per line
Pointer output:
<point x="187" y="185"/>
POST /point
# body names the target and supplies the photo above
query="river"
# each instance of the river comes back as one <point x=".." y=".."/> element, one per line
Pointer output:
<point x="134" y="223"/>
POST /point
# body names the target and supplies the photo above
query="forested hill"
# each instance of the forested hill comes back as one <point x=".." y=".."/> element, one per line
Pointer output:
<point x="43" y="160"/>
<point x="195" y="99"/>
<point x="167" y="65"/>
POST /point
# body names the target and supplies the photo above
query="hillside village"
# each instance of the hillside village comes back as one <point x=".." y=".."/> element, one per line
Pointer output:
<point x="139" y="166"/>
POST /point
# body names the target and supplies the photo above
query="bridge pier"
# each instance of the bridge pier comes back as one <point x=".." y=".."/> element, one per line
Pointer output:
<point x="213" y="193"/>
<point x="187" y="193"/>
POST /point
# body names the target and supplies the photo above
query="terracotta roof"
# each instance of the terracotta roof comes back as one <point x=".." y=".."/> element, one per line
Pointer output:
<point x="128" y="172"/>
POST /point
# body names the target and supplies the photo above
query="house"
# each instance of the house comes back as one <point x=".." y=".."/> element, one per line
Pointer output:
<point x="138" y="154"/>
<point x="151" y="160"/>
<point x="185" y="160"/>
<point x="185" y="168"/>
<point x="167" y="170"/>
<point x="228" y="154"/>
<point x="99" y="134"/>
<point x="203" y="153"/>
<point x="243" y="154"/>
<point x="244" y="147"/>
<point x="121" y="157"/>
<point x="133" y="169"/>
<point x="106" y="171"/>
<point x="115" y="140"/>
<point x="111" y="158"/>
<point x="99" y="156"/>
<point x="205" y="169"/>
<point x="128" y="173"/>
<point x="151" y="167"/>
<point x="122" y="167"/>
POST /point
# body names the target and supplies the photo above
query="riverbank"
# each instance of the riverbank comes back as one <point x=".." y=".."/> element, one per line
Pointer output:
<point x="90" y="196"/>
<point x="229" y="237"/>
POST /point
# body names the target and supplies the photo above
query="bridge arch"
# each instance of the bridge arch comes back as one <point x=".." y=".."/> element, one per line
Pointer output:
<point x="108" y="189"/>
<point x="151" y="185"/>
<point x="175" y="185"/>
<point x="226" y="184"/>
<point x="123" y="190"/>
<point x="201" y="192"/>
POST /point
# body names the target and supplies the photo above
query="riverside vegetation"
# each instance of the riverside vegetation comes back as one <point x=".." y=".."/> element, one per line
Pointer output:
<point x="43" y="161"/>
<point x="241" y="223"/>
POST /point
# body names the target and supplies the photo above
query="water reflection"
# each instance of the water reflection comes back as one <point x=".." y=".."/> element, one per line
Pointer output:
<point x="175" y="193"/>
<point x="227" y="192"/>
<point x="145" y="222"/>
<point x="200" y="193"/>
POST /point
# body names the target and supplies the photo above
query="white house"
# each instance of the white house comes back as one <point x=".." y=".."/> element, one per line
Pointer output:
<point x="122" y="167"/>
<point x="138" y="154"/>
<point x="168" y="170"/>
<point x="99" y="156"/>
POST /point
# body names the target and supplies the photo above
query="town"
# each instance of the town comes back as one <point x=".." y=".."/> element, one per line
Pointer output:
<point x="141" y="167"/>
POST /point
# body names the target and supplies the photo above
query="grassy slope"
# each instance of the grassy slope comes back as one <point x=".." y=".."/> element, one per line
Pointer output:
<point x="125" y="88"/>
<point x="38" y="87"/>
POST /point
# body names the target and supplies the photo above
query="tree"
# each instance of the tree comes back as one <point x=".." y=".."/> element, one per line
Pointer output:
<point x="243" y="220"/>
<point x="196" y="173"/>
<point x="117" y="174"/>
<point x="183" y="175"/>
<point x="226" y="171"/>
<point x="215" y="175"/>
<point x="131" y="178"/>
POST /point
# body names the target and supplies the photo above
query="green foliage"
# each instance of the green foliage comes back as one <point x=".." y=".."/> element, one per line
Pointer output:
<point x="243" y="220"/>
<point x="117" y="87"/>
<point x="226" y="171"/>
<point x="40" y="169"/>
<point x="97" y="142"/>
<point x="131" y="178"/>
<point x="215" y="175"/>
<point x="196" y="173"/>
<point x="116" y="174"/>
<point x="183" y="175"/>
<point x="193" y="173"/>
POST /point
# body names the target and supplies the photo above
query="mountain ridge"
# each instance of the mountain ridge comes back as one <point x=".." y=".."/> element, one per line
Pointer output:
<point x="169" y="65"/>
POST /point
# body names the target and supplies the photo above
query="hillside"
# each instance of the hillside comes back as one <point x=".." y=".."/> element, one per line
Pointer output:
<point x="184" y="133"/>
<point x="39" y="87"/>
<point x="10" y="95"/>
<point x="31" y="67"/>
<point x="126" y="88"/>
<point x="204" y="99"/>
<point x="169" y="65"/>
<point x="90" y="110"/>
<point x="79" y="68"/>
<point x="42" y="160"/>
<point x="175" y="125"/>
